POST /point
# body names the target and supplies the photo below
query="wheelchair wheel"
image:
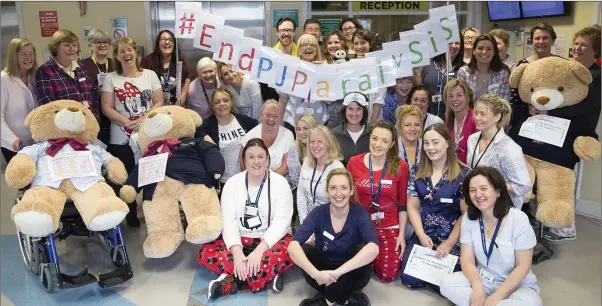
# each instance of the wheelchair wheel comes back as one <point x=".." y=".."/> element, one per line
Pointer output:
<point x="26" y="246"/>
<point x="38" y="257"/>
<point x="117" y="256"/>
<point x="49" y="278"/>
<point x="107" y="244"/>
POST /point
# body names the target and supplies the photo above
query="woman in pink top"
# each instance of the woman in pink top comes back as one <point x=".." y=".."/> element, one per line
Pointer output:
<point x="459" y="98"/>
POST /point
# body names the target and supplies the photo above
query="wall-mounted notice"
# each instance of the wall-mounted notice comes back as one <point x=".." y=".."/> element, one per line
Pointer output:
<point x="292" y="14"/>
<point x="119" y="27"/>
<point x="49" y="23"/>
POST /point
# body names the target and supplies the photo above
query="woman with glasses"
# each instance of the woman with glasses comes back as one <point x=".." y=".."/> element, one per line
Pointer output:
<point x="349" y="26"/>
<point x="96" y="67"/>
<point x="294" y="107"/>
<point x="163" y="62"/>
<point x="469" y="34"/>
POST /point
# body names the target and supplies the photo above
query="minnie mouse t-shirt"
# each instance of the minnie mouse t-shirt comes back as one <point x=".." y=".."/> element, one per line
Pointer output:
<point x="133" y="98"/>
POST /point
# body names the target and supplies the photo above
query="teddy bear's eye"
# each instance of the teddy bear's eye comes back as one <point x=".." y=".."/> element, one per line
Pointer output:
<point x="560" y="88"/>
<point x="169" y="113"/>
<point x="532" y="90"/>
<point x="56" y="111"/>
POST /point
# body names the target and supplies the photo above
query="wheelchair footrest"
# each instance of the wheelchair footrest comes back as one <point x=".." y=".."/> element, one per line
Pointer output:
<point x="115" y="277"/>
<point x="81" y="279"/>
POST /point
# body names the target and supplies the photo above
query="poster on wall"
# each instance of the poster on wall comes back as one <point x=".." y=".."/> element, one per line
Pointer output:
<point x="292" y="14"/>
<point x="49" y="23"/>
<point x="119" y="27"/>
<point x="327" y="25"/>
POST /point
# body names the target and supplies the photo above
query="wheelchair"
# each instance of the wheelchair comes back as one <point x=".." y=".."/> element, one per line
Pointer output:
<point x="41" y="259"/>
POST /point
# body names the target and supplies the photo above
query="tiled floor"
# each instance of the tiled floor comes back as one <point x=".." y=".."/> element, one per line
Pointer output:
<point x="572" y="277"/>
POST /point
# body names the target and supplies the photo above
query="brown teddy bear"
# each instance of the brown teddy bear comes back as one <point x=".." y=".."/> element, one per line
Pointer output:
<point x="548" y="84"/>
<point x="192" y="168"/>
<point x="61" y="128"/>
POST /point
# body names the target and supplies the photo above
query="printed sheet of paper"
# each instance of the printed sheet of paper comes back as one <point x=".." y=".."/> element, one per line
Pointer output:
<point x="423" y="264"/>
<point x="151" y="169"/>
<point x="71" y="164"/>
<point x="544" y="128"/>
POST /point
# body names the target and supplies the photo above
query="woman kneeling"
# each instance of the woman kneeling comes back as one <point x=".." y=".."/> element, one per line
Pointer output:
<point x="498" y="277"/>
<point x="338" y="264"/>
<point x="256" y="227"/>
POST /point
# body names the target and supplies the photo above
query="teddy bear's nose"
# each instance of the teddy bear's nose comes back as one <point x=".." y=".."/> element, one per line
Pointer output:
<point x="153" y="114"/>
<point x="73" y="109"/>
<point x="543" y="100"/>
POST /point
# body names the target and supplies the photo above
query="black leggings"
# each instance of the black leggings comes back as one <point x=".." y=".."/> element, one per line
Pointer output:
<point x="346" y="285"/>
<point x="126" y="155"/>
<point x="8" y="155"/>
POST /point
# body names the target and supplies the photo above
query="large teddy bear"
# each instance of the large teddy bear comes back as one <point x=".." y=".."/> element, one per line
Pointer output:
<point x="547" y="84"/>
<point x="192" y="168"/>
<point x="59" y="129"/>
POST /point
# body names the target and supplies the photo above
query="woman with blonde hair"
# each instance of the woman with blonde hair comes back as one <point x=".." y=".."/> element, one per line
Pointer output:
<point x="322" y="157"/>
<point x="298" y="151"/>
<point x="469" y="34"/>
<point x="128" y="94"/>
<point x="409" y="127"/>
<point x="398" y="95"/>
<point x="246" y="93"/>
<point x="459" y="99"/>
<point x="490" y="146"/>
<point x="17" y="96"/>
<point x="202" y="88"/>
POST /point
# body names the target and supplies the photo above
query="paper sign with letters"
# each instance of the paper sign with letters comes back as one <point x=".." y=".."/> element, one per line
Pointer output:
<point x="418" y="47"/>
<point x="229" y="47"/>
<point x="360" y="75"/>
<point x="435" y="36"/>
<point x="209" y="29"/>
<point x="186" y="15"/>
<point x="325" y="86"/>
<point x="151" y="169"/>
<point x="386" y="67"/>
<point x="74" y="164"/>
<point x="449" y="23"/>
<point x="549" y="129"/>
<point x="249" y="47"/>
<point x="302" y="79"/>
<point x="263" y="70"/>
<point x="285" y="69"/>
<point x="423" y="264"/>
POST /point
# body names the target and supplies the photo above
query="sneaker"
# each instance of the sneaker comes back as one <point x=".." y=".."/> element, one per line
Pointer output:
<point x="554" y="237"/>
<point x="317" y="300"/>
<point x="223" y="285"/>
<point x="278" y="283"/>
<point x="358" y="299"/>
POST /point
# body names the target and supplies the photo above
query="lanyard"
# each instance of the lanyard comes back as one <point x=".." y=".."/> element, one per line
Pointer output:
<point x="497" y="228"/>
<point x="256" y="204"/>
<point x="439" y="78"/>
<point x="205" y="92"/>
<point x="166" y="78"/>
<point x="106" y="65"/>
<point x="313" y="191"/>
<point x="380" y="183"/>
<point x="405" y="155"/>
<point x="472" y="164"/>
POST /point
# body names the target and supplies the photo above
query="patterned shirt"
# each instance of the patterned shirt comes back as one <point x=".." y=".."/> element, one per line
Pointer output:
<point x="439" y="205"/>
<point x="53" y="83"/>
<point x="391" y="104"/>
<point x="498" y="82"/>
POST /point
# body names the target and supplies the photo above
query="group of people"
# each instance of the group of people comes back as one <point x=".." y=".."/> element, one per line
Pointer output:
<point x="341" y="188"/>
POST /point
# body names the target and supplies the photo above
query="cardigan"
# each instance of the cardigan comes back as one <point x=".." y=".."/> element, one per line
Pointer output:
<point x="210" y="126"/>
<point x="348" y="146"/>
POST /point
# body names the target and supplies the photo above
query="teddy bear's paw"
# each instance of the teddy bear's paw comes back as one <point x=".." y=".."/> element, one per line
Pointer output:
<point x="106" y="221"/>
<point x="162" y="244"/>
<point x="128" y="194"/>
<point x="587" y="148"/>
<point x="204" y="229"/>
<point x="34" y="223"/>
<point x="555" y="214"/>
<point x="20" y="171"/>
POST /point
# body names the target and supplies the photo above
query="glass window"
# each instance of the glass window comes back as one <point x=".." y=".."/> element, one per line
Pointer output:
<point x="460" y="5"/>
<point x="388" y="27"/>
<point x="330" y="6"/>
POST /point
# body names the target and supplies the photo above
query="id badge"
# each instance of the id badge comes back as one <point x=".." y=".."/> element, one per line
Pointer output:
<point x="486" y="275"/>
<point x="251" y="211"/>
<point x="437" y="98"/>
<point x="166" y="95"/>
<point x="328" y="235"/>
<point x="446" y="200"/>
<point x="374" y="206"/>
<point x="377" y="216"/>
<point x="253" y="222"/>
<point x="386" y="182"/>
<point x="101" y="78"/>
<point x="309" y="111"/>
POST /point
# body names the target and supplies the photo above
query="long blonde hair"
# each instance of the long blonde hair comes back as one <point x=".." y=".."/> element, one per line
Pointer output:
<point x="310" y="120"/>
<point x="126" y="41"/>
<point x="425" y="167"/>
<point x="310" y="39"/>
<point x="11" y="66"/>
<point x="497" y="105"/>
<point x="333" y="152"/>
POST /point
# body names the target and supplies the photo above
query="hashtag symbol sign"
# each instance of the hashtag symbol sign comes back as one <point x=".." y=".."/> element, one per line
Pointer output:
<point x="187" y="23"/>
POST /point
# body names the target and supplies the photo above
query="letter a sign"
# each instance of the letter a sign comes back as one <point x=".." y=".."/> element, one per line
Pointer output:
<point x="186" y="15"/>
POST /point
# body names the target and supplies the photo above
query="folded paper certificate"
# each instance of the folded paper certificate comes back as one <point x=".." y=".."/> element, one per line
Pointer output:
<point x="549" y="129"/>
<point x="71" y="165"/>
<point x="424" y="265"/>
<point x="151" y="169"/>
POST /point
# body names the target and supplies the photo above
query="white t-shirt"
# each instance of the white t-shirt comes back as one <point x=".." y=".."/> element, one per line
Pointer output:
<point x="430" y="120"/>
<point x="516" y="234"/>
<point x="305" y="188"/>
<point x="356" y="135"/>
<point x="133" y="98"/>
<point x="249" y="101"/>
<point x="230" y="138"/>
<point x="280" y="147"/>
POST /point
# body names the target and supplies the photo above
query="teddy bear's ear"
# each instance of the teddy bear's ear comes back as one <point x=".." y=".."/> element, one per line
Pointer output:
<point x="581" y="72"/>
<point x="195" y="117"/>
<point x="516" y="75"/>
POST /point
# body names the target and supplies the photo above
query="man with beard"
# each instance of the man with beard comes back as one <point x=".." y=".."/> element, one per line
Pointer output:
<point x="285" y="29"/>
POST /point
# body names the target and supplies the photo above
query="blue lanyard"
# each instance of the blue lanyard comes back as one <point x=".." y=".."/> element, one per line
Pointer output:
<point x="405" y="156"/>
<point x="439" y="78"/>
<point x="256" y="204"/>
<point x="497" y="228"/>
<point x="313" y="191"/>
<point x="380" y="183"/>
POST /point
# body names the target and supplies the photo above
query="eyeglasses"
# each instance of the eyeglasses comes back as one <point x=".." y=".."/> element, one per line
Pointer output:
<point x="164" y="40"/>
<point x="102" y="43"/>
<point x="286" y="31"/>
<point x="349" y="29"/>
<point x="309" y="46"/>
<point x="469" y="37"/>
